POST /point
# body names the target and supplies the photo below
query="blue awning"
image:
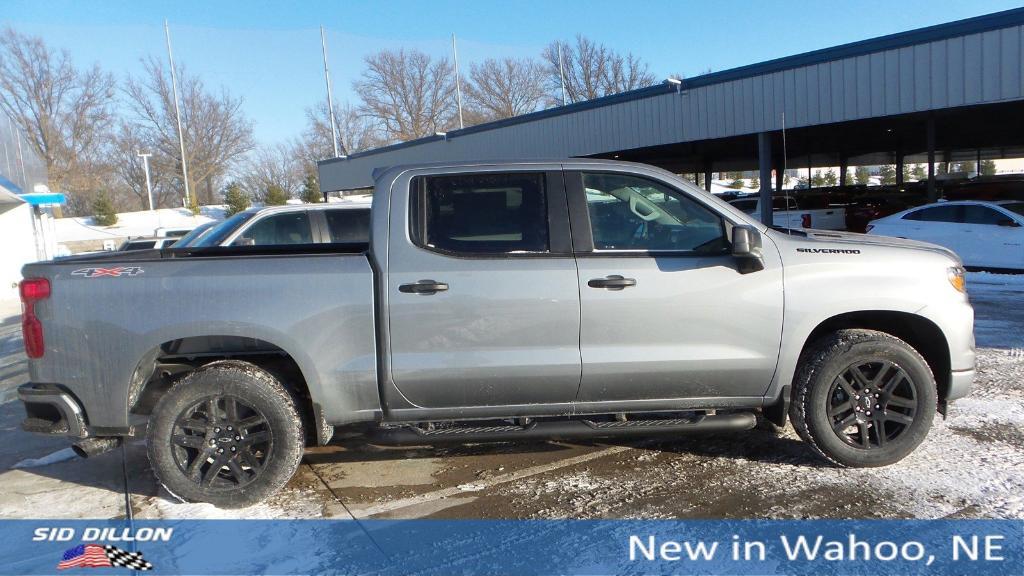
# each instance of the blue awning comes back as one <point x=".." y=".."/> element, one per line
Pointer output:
<point x="43" y="199"/>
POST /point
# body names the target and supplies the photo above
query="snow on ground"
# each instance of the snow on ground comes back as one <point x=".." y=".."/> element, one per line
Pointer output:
<point x="52" y="458"/>
<point x="130" y="224"/>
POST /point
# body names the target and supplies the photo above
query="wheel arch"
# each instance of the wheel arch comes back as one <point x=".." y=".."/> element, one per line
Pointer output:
<point x="919" y="332"/>
<point x="163" y="364"/>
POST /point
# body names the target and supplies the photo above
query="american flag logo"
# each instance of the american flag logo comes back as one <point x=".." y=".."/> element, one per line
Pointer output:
<point x="112" y="272"/>
<point x="97" y="556"/>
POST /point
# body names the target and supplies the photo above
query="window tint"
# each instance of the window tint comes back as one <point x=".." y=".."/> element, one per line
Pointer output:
<point x="936" y="214"/>
<point x="144" y="245"/>
<point x="287" y="228"/>
<point x="348" y="225"/>
<point x="747" y="206"/>
<point x="974" y="214"/>
<point x="482" y="213"/>
<point x="632" y="213"/>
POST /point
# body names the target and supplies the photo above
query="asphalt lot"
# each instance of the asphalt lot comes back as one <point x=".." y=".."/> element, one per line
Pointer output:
<point x="971" y="465"/>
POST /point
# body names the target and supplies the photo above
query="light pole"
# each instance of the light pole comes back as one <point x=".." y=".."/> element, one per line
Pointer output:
<point x="145" y="167"/>
<point x="177" y="114"/>
<point x="330" y="100"/>
<point x="458" y="84"/>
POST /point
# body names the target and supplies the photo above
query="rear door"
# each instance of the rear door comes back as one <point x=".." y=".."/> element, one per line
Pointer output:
<point x="482" y="302"/>
<point x="990" y="238"/>
<point x="665" y="311"/>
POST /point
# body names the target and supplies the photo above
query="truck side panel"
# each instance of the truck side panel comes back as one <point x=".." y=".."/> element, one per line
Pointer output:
<point x="101" y="329"/>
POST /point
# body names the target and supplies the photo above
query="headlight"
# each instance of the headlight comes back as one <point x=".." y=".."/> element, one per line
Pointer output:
<point x="957" y="278"/>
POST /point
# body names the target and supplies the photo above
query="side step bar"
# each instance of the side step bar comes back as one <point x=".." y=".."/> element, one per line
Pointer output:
<point x="413" y="435"/>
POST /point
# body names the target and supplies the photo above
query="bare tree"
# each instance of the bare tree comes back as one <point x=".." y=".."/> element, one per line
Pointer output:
<point x="217" y="133"/>
<point x="129" y="170"/>
<point x="64" y="111"/>
<point x="355" y="133"/>
<point x="505" y="88"/>
<point x="409" y="94"/>
<point x="592" y="70"/>
<point x="278" y="166"/>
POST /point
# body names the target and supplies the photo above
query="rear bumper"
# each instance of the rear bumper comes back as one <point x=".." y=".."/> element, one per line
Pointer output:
<point x="51" y="410"/>
<point x="960" y="382"/>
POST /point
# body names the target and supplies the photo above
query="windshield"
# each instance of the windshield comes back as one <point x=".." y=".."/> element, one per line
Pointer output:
<point x="219" y="233"/>
<point x="1015" y="207"/>
<point x="193" y="236"/>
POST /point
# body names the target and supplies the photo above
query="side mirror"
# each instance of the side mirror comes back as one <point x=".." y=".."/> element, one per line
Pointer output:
<point x="746" y="247"/>
<point x="1008" y="223"/>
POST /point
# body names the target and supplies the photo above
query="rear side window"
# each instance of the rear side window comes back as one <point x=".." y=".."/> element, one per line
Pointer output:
<point x="747" y="206"/>
<point x="348" y="226"/>
<point x="144" y="245"/>
<point x="277" y="230"/>
<point x="974" y="214"/>
<point x="493" y="213"/>
<point x="936" y="214"/>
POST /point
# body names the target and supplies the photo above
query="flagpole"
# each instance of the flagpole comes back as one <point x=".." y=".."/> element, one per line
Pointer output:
<point x="177" y="114"/>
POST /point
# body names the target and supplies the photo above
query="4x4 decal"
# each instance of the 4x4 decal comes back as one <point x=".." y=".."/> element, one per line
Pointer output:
<point x="112" y="272"/>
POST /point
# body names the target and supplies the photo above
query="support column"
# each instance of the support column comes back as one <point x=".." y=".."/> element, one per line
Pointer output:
<point x="899" y="168"/>
<point x="844" y="165"/>
<point x="933" y="193"/>
<point x="764" y="157"/>
<point x="707" y="177"/>
<point x="780" y="177"/>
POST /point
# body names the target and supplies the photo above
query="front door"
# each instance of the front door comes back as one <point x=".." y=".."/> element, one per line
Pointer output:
<point x="483" y="307"/>
<point x="666" y="314"/>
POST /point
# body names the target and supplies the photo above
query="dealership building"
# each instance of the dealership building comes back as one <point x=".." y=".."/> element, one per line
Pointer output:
<point x="947" y="93"/>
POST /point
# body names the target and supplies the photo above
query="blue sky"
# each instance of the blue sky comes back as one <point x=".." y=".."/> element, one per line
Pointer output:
<point x="269" y="52"/>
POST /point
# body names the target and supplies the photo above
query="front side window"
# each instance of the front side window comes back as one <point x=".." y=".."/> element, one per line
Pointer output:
<point x="633" y="213"/>
<point x="490" y="213"/>
<point x="279" y="229"/>
<point x="936" y="214"/>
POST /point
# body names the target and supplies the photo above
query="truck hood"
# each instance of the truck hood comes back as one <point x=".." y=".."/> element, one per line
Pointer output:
<point x="821" y="237"/>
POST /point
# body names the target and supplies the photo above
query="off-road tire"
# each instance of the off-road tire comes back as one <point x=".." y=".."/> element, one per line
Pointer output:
<point x="816" y="385"/>
<point x="243" y="384"/>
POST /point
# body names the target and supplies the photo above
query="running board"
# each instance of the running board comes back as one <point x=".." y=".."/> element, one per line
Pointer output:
<point x="413" y="435"/>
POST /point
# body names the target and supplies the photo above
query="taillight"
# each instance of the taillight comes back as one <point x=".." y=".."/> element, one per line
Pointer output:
<point x="805" y="220"/>
<point x="33" y="290"/>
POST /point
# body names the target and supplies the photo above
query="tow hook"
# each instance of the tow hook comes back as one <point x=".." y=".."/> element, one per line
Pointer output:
<point x="95" y="446"/>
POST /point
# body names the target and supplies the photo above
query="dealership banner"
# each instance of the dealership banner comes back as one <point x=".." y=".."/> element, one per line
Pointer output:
<point x="521" y="547"/>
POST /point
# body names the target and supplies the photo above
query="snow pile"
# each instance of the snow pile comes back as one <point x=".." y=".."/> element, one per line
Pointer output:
<point x="130" y="224"/>
<point x="58" y="456"/>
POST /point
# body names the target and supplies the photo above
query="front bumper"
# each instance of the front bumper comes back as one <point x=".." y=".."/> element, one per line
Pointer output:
<point x="50" y="409"/>
<point x="960" y="382"/>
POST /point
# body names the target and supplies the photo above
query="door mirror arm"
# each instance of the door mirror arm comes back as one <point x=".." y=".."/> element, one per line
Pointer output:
<point x="746" y="248"/>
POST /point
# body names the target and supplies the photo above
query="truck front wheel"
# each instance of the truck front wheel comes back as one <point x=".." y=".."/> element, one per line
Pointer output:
<point x="228" y="434"/>
<point x="863" y="398"/>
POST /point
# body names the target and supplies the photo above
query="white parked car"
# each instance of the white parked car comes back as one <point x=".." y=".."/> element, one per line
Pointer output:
<point x="984" y="234"/>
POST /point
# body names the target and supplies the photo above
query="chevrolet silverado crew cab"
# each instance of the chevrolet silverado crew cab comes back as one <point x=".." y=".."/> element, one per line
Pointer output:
<point x="496" y="302"/>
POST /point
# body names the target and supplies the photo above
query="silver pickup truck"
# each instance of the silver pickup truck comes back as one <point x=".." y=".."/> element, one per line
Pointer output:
<point x="495" y="302"/>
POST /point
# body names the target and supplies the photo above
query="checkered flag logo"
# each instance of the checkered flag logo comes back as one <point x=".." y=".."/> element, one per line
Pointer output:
<point x="125" y="559"/>
<point x="96" y="556"/>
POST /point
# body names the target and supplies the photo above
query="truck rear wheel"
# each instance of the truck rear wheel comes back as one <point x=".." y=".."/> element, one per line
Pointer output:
<point x="228" y="434"/>
<point x="863" y="398"/>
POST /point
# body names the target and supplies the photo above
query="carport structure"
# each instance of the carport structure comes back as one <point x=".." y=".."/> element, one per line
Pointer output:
<point x="949" y="92"/>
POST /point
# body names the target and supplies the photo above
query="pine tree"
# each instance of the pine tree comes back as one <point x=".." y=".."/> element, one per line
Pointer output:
<point x="906" y="173"/>
<point x="830" y="178"/>
<point x="988" y="168"/>
<point x="967" y="167"/>
<point x="862" y="176"/>
<point x="235" y="198"/>
<point x="919" y="173"/>
<point x="276" y="196"/>
<point x="755" y="183"/>
<point x="736" y="183"/>
<point x="888" y="174"/>
<point x="103" y="213"/>
<point x="817" y="180"/>
<point x="311" y="190"/>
